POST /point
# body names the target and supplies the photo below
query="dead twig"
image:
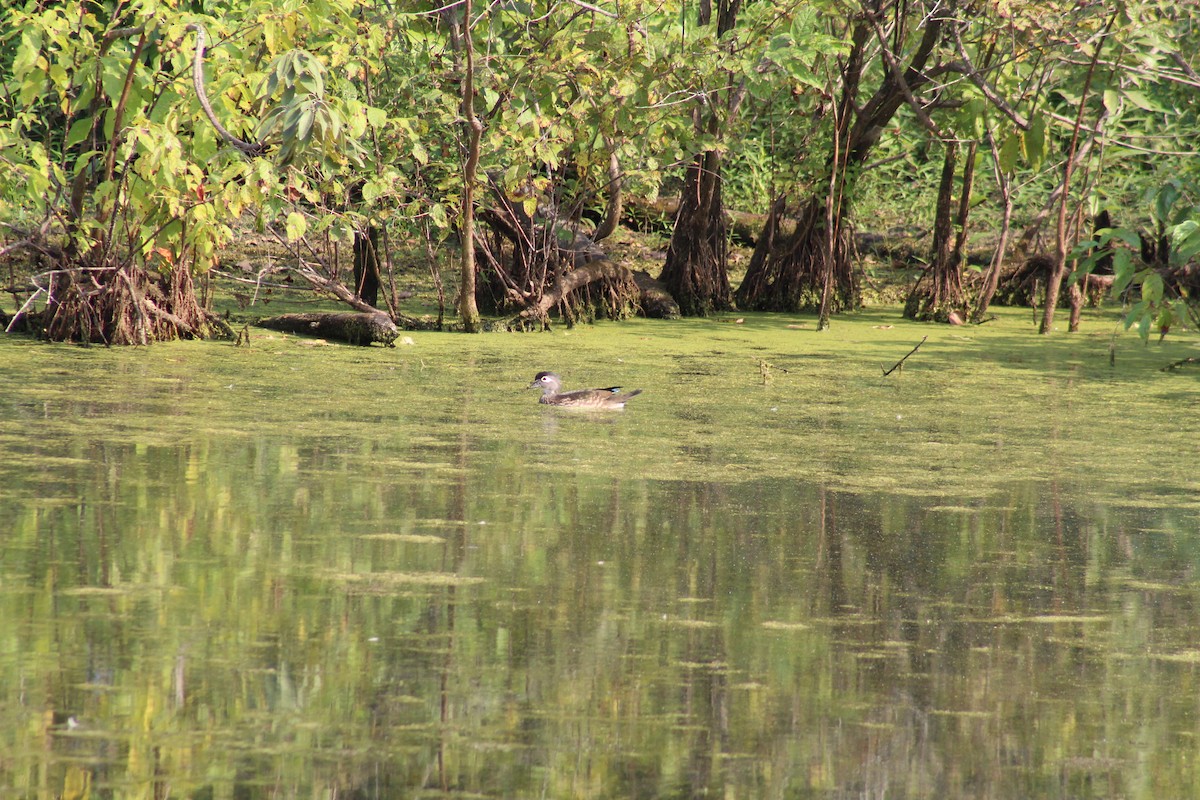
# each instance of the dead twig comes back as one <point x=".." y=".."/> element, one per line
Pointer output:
<point x="899" y="365"/>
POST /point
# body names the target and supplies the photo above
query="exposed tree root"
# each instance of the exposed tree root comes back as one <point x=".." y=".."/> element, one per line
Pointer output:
<point x="117" y="306"/>
<point x="599" y="284"/>
<point x="531" y="267"/>
<point x="789" y="272"/>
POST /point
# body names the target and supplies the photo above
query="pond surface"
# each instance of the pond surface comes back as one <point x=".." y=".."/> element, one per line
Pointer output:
<point x="294" y="570"/>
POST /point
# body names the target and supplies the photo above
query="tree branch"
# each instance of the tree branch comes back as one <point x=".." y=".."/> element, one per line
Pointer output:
<point x="249" y="148"/>
<point x="592" y="8"/>
<point x="900" y="364"/>
<point x="977" y="78"/>
<point x="898" y="75"/>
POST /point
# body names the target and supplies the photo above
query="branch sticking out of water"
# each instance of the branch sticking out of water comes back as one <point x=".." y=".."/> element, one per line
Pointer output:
<point x="764" y="369"/>
<point x="899" y="365"/>
<point x="1174" y="365"/>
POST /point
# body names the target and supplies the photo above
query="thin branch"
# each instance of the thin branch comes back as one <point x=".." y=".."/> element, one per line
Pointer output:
<point x="898" y="74"/>
<point x="1174" y="365"/>
<point x="993" y="97"/>
<point x="900" y="364"/>
<point x="249" y="148"/>
<point x="1187" y="79"/>
<point x="596" y="9"/>
<point x="1182" y="63"/>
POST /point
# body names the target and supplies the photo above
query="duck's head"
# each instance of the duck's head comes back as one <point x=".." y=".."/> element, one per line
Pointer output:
<point x="548" y="382"/>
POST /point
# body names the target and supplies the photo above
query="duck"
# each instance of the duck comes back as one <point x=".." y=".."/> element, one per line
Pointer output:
<point x="552" y="394"/>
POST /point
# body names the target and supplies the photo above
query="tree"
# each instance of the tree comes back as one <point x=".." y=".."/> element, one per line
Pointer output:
<point x="555" y="132"/>
<point x="696" y="271"/>
<point x="1063" y="231"/>
<point x="136" y="180"/>
<point x="938" y="294"/>
<point x="811" y="268"/>
<point x="467" y="308"/>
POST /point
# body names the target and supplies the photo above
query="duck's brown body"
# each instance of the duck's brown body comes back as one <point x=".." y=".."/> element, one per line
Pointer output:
<point x="551" y="385"/>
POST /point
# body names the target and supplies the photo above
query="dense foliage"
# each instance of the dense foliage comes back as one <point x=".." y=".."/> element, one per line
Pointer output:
<point x="128" y="163"/>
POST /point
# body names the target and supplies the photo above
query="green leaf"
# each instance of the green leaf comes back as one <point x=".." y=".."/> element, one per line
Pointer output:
<point x="27" y="51"/>
<point x="374" y="188"/>
<point x="974" y="116"/>
<point x="376" y="117"/>
<point x="1164" y="200"/>
<point x="1185" y="239"/>
<point x="1035" y="142"/>
<point x="304" y="124"/>
<point x="112" y="77"/>
<point x="1143" y="102"/>
<point x="1112" y="100"/>
<point x="1152" y="287"/>
<point x="1129" y="237"/>
<point x="296" y="226"/>
<point x="420" y="154"/>
<point x="1136" y="313"/>
<point x="437" y="213"/>
<point x="1010" y="152"/>
<point x="1123" y="270"/>
<point x="78" y="132"/>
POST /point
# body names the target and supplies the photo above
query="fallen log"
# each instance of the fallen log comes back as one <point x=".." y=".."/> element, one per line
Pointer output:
<point x="348" y="326"/>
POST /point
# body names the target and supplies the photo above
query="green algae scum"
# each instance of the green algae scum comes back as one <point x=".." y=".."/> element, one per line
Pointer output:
<point x="297" y="570"/>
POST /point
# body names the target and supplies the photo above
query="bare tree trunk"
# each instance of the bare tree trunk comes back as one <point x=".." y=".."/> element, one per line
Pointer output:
<point x="992" y="278"/>
<point x="1054" y="282"/>
<point x="616" y="198"/>
<point x="366" y="265"/>
<point x="695" y="272"/>
<point x="696" y="269"/>
<point x="468" y="309"/>
<point x="939" y="292"/>
<point x="966" y="186"/>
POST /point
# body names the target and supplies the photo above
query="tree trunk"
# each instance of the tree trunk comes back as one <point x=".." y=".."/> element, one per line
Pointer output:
<point x="1061" y="244"/>
<point x="696" y="272"/>
<point x="941" y="295"/>
<point x="802" y="271"/>
<point x="468" y="309"/>
<point x="812" y="269"/>
<point x="991" y="279"/>
<point x="366" y="265"/>
<point x="354" y="327"/>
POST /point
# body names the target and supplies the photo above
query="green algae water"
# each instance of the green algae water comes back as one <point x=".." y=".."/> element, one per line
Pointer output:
<point x="296" y="570"/>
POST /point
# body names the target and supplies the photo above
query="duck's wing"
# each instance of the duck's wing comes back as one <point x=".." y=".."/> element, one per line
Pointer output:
<point x="585" y="395"/>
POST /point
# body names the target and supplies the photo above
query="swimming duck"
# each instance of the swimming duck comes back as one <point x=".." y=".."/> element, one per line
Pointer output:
<point x="551" y="384"/>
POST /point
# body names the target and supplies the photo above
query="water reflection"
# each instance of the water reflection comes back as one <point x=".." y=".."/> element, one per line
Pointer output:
<point x="439" y="611"/>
